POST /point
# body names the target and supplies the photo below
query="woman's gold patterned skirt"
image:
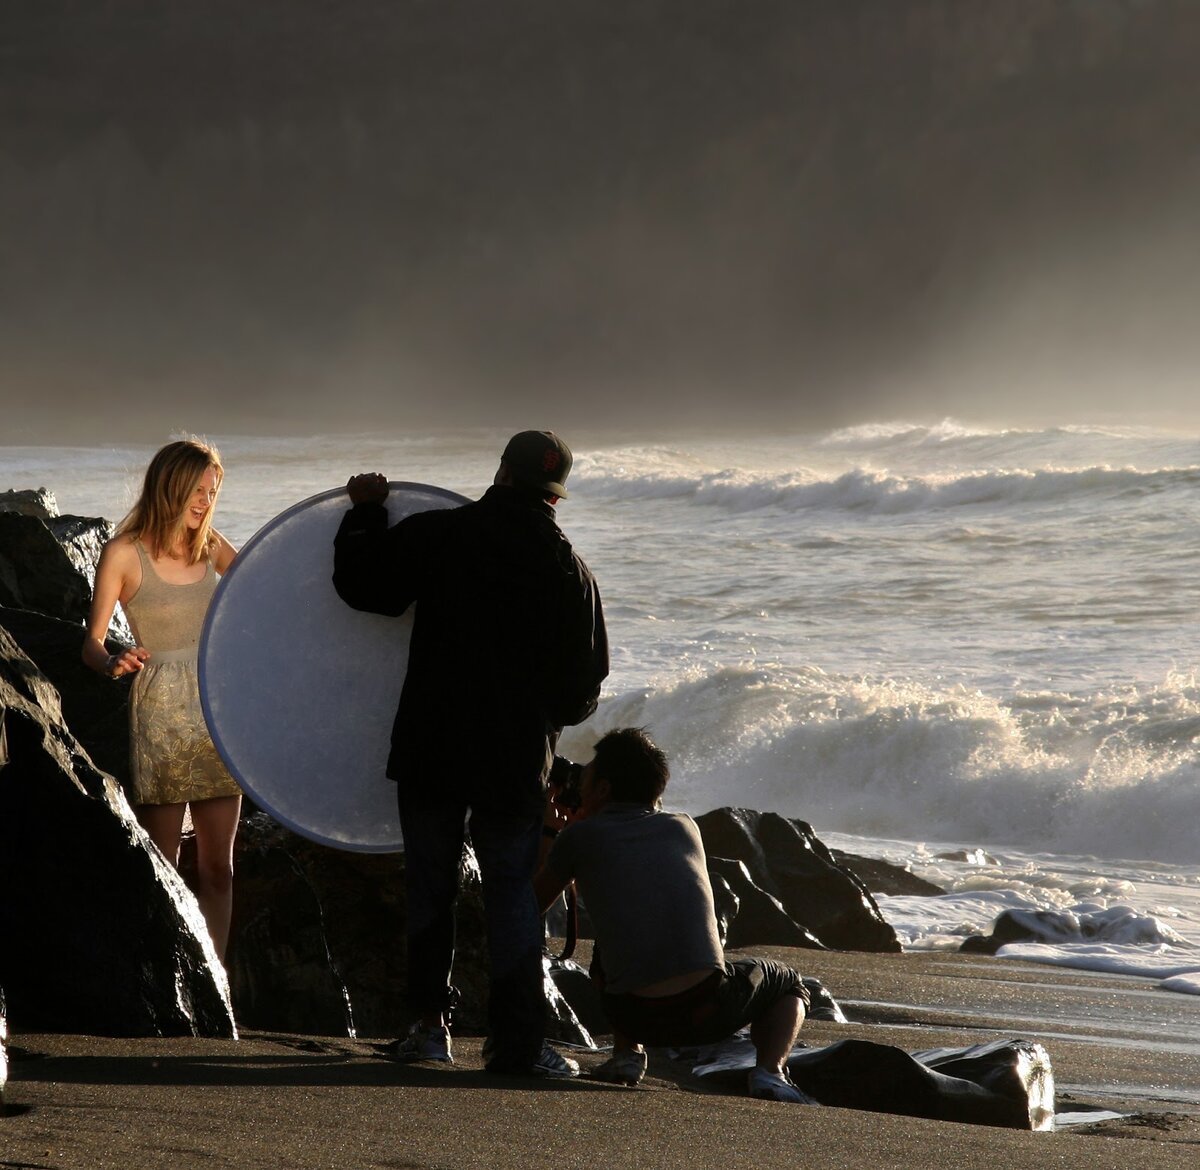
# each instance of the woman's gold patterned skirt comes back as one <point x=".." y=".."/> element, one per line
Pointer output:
<point x="171" y="753"/>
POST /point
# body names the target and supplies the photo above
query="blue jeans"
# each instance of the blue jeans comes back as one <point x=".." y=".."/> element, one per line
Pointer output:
<point x="506" y="847"/>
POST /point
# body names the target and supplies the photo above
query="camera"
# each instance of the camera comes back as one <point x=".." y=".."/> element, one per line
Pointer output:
<point x="566" y="784"/>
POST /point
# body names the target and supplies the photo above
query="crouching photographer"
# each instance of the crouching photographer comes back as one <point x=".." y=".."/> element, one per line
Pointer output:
<point x="662" y="971"/>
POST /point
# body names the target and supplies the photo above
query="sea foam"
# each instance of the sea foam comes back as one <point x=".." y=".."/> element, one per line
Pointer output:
<point x="1105" y="774"/>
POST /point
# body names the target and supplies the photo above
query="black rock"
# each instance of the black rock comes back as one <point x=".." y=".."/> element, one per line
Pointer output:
<point x="821" y="1004"/>
<point x="1083" y="923"/>
<point x="28" y="502"/>
<point x="969" y="856"/>
<point x="1008" y="1083"/>
<point x="1016" y="1071"/>
<point x="787" y="860"/>
<point x="95" y="709"/>
<point x="48" y="565"/>
<point x="726" y="903"/>
<point x="99" y="933"/>
<point x="757" y="917"/>
<point x="882" y="877"/>
<point x="581" y="993"/>
<point x="36" y="572"/>
<point x="563" y="1020"/>
<point x="1011" y="926"/>
<point x="1005" y="1083"/>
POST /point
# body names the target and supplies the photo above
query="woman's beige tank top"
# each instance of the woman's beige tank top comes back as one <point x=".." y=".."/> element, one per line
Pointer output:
<point x="166" y="616"/>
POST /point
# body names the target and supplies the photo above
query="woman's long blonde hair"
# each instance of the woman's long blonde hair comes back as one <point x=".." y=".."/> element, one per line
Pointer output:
<point x="159" y="518"/>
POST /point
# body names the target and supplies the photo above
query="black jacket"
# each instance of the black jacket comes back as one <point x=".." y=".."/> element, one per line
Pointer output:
<point x="508" y="643"/>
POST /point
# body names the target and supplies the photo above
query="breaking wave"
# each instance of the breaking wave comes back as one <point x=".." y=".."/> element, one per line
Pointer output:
<point x="1111" y="774"/>
<point x="869" y="491"/>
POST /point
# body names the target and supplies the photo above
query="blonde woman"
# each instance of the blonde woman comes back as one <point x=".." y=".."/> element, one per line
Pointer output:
<point x="162" y="567"/>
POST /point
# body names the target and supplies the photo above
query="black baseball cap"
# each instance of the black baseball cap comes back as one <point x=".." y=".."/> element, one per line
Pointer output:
<point x="539" y="459"/>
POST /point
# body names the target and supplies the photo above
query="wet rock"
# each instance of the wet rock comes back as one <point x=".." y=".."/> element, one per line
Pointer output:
<point x="755" y="916"/>
<point x="969" y="856"/>
<point x="30" y="502"/>
<point x="726" y="903"/>
<point x="821" y="1004"/>
<point x="95" y="709"/>
<point x="787" y="860"/>
<point x="48" y="565"/>
<point x="583" y="996"/>
<point x="100" y="934"/>
<point x="1006" y="1083"/>
<point x="36" y="572"/>
<point x="1014" y="1071"/>
<point x="1007" y="928"/>
<point x="882" y="877"/>
<point x="563" y="1020"/>
<point x="1087" y="922"/>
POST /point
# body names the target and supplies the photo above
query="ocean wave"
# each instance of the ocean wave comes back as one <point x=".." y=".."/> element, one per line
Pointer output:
<point x="870" y="491"/>
<point x="883" y="434"/>
<point x="1113" y="775"/>
<point x="951" y="431"/>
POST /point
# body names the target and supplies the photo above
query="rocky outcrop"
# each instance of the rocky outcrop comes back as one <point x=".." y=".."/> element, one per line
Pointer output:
<point x="48" y="562"/>
<point x="882" y="877"/>
<point x="787" y="860"/>
<point x="35" y="571"/>
<point x="747" y="914"/>
<point x="29" y="502"/>
<point x="95" y="709"/>
<point x="575" y="985"/>
<point x="47" y="573"/>
<point x="100" y="933"/>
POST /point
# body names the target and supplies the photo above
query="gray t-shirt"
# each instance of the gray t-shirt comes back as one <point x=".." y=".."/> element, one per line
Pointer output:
<point x="642" y="875"/>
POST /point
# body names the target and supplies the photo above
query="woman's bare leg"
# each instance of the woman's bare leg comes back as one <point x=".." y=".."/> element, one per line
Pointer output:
<point x="164" y="824"/>
<point x="216" y="823"/>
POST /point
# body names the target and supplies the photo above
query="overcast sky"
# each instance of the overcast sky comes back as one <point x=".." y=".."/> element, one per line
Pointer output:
<point x="289" y="216"/>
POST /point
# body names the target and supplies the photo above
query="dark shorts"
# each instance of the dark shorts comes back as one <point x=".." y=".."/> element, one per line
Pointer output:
<point x="713" y="1010"/>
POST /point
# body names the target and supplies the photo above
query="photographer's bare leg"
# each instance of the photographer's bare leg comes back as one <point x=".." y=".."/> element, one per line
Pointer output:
<point x="774" y="1033"/>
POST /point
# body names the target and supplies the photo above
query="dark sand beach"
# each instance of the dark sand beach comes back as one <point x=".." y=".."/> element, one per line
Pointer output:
<point x="299" y="1101"/>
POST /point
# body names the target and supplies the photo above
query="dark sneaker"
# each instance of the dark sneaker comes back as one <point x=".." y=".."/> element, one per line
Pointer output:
<point x="622" y="1068"/>
<point x="420" y="1044"/>
<point x="553" y="1064"/>
<point x="548" y="1064"/>
<point x="767" y="1085"/>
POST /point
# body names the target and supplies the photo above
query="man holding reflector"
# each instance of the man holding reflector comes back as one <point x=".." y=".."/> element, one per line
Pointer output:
<point x="508" y="647"/>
